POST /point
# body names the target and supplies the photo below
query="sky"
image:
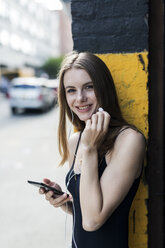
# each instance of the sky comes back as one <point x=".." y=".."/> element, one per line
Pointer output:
<point x="51" y="4"/>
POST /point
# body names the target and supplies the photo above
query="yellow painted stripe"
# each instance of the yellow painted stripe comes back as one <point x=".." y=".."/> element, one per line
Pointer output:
<point x="130" y="74"/>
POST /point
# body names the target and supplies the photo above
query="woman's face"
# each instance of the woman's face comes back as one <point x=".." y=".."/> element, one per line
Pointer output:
<point x="80" y="93"/>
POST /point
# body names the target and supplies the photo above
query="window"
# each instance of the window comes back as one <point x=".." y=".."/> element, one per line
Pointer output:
<point x="4" y="37"/>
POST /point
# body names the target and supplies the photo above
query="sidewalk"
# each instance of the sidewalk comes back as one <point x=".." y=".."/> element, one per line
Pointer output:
<point x="28" y="151"/>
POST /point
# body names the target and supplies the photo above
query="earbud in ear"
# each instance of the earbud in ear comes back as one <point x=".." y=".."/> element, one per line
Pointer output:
<point x="100" y="110"/>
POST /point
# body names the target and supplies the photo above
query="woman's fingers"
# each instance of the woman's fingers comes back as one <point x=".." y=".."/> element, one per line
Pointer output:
<point x="100" y="122"/>
<point x="41" y="191"/>
<point x="48" y="195"/>
<point x="106" y="121"/>
<point x="95" y="129"/>
<point x="55" y="200"/>
<point x="59" y="201"/>
<point x="48" y="182"/>
<point x="94" y="121"/>
<point x="52" y="184"/>
<point x="88" y="124"/>
<point x="97" y="121"/>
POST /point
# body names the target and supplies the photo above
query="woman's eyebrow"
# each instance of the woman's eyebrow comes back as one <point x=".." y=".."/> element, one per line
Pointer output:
<point x="90" y="82"/>
<point x="70" y="86"/>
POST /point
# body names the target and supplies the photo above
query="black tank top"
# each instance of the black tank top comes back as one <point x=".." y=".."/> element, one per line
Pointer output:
<point x="114" y="232"/>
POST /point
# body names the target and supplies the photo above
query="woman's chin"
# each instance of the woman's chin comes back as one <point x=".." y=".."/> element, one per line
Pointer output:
<point x="85" y="117"/>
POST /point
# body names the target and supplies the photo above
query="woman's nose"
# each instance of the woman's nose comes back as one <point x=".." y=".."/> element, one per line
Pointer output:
<point x="81" y="96"/>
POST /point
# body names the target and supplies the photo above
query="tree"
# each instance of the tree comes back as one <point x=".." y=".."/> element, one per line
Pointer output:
<point x="52" y="66"/>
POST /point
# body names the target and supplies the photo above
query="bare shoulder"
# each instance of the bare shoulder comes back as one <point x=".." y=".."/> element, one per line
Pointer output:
<point x="128" y="142"/>
<point x="72" y="143"/>
<point x="128" y="152"/>
<point x="73" y="139"/>
<point x="131" y="137"/>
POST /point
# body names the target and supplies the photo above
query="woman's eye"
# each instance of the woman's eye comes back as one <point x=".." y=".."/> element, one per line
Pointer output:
<point x="70" y="91"/>
<point x="89" y="86"/>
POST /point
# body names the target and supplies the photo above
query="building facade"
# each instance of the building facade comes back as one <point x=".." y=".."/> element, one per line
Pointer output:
<point x="28" y="33"/>
<point x="120" y="39"/>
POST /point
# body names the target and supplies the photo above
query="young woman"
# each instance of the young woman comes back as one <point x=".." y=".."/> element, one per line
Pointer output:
<point x="105" y="155"/>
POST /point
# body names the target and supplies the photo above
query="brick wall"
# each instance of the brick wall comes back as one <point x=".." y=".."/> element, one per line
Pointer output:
<point x="117" y="31"/>
<point x="105" y="26"/>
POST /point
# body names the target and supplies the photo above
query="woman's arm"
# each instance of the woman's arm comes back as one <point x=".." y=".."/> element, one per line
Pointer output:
<point x="62" y="201"/>
<point x="99" y="198"/>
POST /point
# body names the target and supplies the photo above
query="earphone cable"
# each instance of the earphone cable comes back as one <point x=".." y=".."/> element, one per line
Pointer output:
<point x="67" y="210"/>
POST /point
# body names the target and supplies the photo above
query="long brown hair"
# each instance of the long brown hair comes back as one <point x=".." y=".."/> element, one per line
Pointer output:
<point x="106" y="96"/>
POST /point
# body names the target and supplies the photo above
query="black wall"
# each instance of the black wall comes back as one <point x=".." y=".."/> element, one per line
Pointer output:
<point x="110" y="26"/>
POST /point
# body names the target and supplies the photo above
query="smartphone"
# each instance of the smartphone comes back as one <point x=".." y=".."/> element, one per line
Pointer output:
<point x="47" y="188"/>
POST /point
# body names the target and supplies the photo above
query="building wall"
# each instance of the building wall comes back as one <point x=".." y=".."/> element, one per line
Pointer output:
<point x="117" y="31"/>
<point x="28" y="33"/>
<point x="66" y="42"/>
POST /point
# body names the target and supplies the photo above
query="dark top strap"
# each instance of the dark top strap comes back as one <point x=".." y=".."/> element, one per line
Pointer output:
<point x="78" y="142"/>
<point x="121" y="130"/>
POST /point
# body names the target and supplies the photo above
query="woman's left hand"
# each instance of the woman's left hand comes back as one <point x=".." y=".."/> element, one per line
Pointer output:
<point x="95" y="130"/>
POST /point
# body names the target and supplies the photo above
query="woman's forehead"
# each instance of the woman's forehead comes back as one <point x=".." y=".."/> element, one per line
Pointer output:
<point x="75" y="76"/>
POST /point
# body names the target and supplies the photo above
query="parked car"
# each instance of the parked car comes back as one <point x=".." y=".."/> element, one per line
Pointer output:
<point x="53" y="84"/>
<point x="30" y="93"/>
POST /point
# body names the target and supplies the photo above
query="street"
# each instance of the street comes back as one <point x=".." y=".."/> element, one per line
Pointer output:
<point x="28" y="151"/>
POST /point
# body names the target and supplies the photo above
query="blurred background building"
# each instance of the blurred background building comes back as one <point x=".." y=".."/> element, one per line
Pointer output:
<point x="31" y="32"/>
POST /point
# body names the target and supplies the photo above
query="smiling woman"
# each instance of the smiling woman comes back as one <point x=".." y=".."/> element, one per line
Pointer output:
<point x="105" y="155"/>
<point x="80" y="93"/>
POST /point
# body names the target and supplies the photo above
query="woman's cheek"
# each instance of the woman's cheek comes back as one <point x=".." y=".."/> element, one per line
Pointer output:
<point x="69" y="101"/>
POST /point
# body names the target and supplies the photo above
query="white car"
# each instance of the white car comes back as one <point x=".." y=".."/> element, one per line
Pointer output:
<point x="30" y="93"/>
<point x="54" y="85"/>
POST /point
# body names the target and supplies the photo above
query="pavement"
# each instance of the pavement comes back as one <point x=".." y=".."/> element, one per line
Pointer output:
<point x="28" y="151"/>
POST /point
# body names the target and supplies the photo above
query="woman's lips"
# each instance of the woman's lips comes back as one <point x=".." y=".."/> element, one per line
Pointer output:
<point x="84" y="108"/>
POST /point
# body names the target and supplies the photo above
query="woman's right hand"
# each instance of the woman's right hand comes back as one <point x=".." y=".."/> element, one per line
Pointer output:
<point x="59" y="201"/>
